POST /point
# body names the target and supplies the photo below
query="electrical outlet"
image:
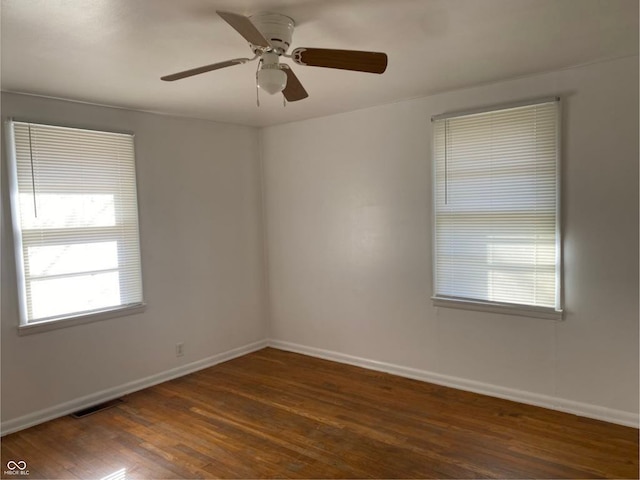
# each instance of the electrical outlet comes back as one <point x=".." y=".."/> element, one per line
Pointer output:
<point x="179" y="349"/>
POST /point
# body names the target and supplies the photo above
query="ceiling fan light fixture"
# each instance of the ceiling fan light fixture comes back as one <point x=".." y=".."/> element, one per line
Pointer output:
<point x="272" y="80"/>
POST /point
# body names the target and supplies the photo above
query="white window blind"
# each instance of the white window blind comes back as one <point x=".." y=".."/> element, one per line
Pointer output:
<point x="496" y="207"/>
<point x="74" y="203"/>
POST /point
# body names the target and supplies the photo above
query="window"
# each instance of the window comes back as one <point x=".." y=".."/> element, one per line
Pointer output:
<point x="75" y="218"/>
<point x="496" y="198"/>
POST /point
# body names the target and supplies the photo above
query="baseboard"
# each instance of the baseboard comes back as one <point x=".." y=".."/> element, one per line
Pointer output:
<point x="66" y="408"/>
<point x="568" y="406"/>
<point x="563" y="405"/>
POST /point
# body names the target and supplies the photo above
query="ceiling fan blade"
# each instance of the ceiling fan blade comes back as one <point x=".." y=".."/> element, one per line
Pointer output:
<point x="246" y="28"/>
<point x="204" y="69"/>
<point x="372" y="62"/>
<point x="294" y="90"/>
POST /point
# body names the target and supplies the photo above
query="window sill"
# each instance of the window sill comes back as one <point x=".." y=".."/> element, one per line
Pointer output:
<point x="503" y="308"/>
<point x="81" y="319"/>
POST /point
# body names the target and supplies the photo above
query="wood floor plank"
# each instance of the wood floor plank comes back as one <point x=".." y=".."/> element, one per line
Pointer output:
<point x="276" y="414"/>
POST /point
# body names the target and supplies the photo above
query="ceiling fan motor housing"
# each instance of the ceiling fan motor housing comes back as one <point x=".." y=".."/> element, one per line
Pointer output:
<point x="276" y="28"/>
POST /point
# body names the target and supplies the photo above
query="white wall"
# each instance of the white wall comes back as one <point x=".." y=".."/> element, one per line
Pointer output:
<point x="202" y="259"/>
<point x="348" y="204"/>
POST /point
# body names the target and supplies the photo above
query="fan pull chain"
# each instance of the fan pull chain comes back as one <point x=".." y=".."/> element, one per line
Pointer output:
<point x="258" y="88"/>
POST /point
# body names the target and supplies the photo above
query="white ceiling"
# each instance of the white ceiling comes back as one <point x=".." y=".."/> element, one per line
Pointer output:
<point x="113" y="52"/>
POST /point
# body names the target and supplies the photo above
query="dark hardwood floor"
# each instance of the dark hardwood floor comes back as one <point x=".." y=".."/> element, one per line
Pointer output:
<point x="274" y="414"/>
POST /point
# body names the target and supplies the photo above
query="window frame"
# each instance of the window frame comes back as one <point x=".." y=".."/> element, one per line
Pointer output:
<point x="75" y="318"/>
<point x="549" y="313"/>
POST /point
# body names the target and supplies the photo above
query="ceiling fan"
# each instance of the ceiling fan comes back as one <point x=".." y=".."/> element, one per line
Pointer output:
<point x="269" y="36"/>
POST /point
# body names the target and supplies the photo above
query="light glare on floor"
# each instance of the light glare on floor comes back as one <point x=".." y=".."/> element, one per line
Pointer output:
<point x="117" y="475"/>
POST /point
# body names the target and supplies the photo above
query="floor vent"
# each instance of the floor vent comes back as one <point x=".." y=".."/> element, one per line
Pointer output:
<point x="96" y="408"/>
